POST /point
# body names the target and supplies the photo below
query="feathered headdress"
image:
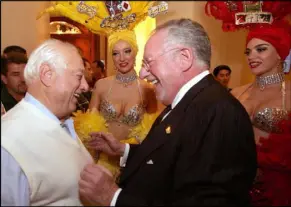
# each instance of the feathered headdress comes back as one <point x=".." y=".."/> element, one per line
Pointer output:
<point x="244" y="14"/>
<point x="116" y="19"/>
<point x="264" y="19"/>
<point x="107" y="16"/>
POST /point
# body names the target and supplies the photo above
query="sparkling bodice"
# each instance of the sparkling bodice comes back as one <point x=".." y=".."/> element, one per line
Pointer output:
<point x="268" y="119"/>
<point x="132" y="118"/>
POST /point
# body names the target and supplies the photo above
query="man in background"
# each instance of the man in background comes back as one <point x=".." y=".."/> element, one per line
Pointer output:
<point x="14" y="49"/>
<point x="222" y="75"/>
<point x="12" y="68"/>
<point x="98" y="68"/>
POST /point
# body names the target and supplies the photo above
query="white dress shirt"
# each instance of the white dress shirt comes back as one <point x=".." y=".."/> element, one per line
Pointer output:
<point x="14" y="183"/>
<point x="183" y="90"/>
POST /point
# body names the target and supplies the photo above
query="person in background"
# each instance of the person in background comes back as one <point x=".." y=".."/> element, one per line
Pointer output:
<point x="199" y="152"/>
<point x="14" y="49"/>
<point x="41" y="155"/>
<point x="85" y="97"/>
<point x="98" y="68"/>
<point x="12" y="68"/>
<point x="222" y="74"/>
<point x="10" y="50"/>
<point x="88" y="73"/>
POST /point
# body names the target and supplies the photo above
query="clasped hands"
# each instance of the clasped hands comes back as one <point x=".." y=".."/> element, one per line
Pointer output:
<point x="97" y="185"/>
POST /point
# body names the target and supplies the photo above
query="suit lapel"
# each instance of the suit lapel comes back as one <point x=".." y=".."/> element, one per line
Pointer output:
<point x="159" y="134"/>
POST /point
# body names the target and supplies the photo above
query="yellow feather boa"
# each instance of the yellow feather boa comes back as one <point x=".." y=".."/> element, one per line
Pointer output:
<point x="92" y="121"/>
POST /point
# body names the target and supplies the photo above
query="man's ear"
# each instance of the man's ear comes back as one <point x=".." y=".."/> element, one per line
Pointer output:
<point x="46" y="75"/>
<point x="4" y="79"/>
<point x="186" y="58"/>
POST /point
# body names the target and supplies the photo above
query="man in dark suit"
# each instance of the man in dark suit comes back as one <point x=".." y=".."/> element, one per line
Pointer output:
<point x="200" y="151"/>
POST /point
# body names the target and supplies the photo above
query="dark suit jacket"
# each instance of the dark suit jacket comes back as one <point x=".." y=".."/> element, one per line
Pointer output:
<point x="7" y="100"/>
<point x="207" y="157"/>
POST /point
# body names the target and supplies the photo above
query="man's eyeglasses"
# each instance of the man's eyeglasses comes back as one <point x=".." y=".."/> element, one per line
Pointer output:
<point x="146" y="64"/>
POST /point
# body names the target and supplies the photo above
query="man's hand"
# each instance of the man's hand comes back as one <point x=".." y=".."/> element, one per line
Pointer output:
<point x="105" y="142"/>
<point x="96" y="185"/>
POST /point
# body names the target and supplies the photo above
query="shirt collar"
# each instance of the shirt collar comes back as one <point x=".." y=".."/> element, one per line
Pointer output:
<point x="30" y="99"/>
<point x="185" y="88"/>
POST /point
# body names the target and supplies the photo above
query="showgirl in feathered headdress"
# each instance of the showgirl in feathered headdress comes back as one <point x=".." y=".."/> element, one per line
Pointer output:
<point x="121" y="104"/>
<point x="267" y="99"/>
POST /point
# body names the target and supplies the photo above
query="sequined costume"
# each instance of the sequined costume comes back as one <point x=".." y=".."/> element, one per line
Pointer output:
<point x="94" y="121"/>
<point x="273" y="183"/>
<point x="131" y="118"/>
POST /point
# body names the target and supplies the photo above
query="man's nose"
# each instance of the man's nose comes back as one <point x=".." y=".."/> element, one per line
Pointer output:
<point x="22" y="78"/>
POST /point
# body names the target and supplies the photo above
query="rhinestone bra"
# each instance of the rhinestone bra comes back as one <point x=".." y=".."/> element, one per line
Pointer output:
<point x="131" y="118"/>
<point x="267" y="119"/>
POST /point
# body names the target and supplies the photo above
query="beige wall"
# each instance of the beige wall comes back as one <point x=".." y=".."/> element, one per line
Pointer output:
<point x="19" y="25"/>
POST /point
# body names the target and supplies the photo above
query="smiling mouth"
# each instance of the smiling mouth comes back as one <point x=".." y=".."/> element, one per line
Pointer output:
<point x="254" y="64"/>
<point x="154" y="81"/>
<point x="77" y="95"/>
<point x="123" y="65"/>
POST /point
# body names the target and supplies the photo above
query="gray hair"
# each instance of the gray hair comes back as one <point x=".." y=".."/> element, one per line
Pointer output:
<point x="49" y="52"/>
<point x="191" y="34"/>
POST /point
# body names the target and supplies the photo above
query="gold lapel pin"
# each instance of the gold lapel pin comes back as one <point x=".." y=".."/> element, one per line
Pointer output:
<point x="168" y="130"/>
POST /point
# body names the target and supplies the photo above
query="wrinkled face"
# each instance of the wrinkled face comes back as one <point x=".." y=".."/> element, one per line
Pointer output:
<point x="68" y="85"/>
<point x="160" y="68"/>
<point x="223" y="77"/>
<point x="123" y="56"/>
<point x="14" y="79"/>
<point x="262" y="57"/>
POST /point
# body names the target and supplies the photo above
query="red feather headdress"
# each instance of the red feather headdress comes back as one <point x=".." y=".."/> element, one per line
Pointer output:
<point x="242" y="14"/>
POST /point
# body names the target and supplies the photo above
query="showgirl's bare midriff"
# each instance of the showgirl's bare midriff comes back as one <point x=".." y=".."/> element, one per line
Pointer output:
<point x="119" y="130"/>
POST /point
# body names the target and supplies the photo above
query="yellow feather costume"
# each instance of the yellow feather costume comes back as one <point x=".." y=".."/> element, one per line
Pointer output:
<point x="92" y="121"/>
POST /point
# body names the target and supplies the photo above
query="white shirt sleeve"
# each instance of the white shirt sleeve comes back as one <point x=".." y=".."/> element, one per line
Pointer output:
<point x="123" y="159"/>
<point x="14" y="184"/>
<point x="122" y="163"/>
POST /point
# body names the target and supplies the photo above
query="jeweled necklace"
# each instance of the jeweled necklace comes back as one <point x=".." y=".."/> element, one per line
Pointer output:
<point x="262" y="82"/>
<point x="126" y="79"/>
